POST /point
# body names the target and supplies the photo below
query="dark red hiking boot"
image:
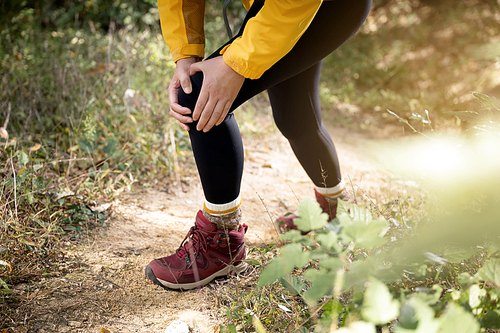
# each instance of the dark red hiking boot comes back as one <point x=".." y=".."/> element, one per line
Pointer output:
<point x="205" y="253"/>
<point x="285" y="223"/>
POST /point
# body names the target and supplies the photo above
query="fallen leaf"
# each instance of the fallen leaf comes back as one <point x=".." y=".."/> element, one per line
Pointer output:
<point x="4" y="134"/>
<point x="103" y="330"/>
<point x="36" y="147"/>
<point x="97" y="69"/>
<point x="7" y="264"/>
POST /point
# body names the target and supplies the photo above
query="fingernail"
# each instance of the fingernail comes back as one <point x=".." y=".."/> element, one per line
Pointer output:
<point x="187" y="90"/>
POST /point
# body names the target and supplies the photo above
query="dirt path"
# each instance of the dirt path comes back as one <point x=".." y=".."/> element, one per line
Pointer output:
<point x="105" y="289"/>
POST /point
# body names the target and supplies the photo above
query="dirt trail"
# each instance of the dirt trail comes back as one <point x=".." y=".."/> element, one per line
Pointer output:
<point x="106" y="288"/>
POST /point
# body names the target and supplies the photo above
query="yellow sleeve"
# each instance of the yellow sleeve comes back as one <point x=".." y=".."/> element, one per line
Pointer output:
<point x="270" y="35"/>
<point x="182" y="27"/>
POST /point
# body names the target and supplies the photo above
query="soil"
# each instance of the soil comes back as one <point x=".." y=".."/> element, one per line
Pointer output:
<point x="104" y="288"/>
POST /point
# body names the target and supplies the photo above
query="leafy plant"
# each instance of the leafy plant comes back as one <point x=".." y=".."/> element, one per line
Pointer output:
<point x="442" y="276"/>
<point x="348" y="254"/>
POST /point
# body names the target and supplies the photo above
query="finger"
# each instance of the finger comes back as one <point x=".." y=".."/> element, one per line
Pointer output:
<point x="205" y="115"/>
<point x="216" y="114"/>
<point x="184" y="126"/>
<point x="200" y="104"/>
<point x="173" y="91"/>
<point x="227" y="107"/>
<point x="186" y="84"/>
<point x="181" y="118"/>
<point x="173" y="95"/>
<point x="176" y="107"/>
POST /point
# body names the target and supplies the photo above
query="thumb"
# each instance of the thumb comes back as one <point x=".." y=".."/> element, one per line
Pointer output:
<point x="195" y="68"/>
<point x="186" y="85"/>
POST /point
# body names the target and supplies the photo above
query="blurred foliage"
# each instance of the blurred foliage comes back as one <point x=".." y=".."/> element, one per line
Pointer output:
<point x="411" y="56"/>
<point x="441" y="273"/>
<point x="98" y="14"/>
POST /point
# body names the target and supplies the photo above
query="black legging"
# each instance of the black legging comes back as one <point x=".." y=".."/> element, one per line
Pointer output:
<point x="292" y="84"/>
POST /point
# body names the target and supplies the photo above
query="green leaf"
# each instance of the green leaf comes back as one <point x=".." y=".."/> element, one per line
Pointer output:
<point x="23" y="158"/>
<point x="476" y="294"/>
<point x="428" y="296"/>
<point x="490" y="272"/>
<point x="292" y="235"/>
<point x="456" y="253"/>
<point x="331" y="311"/>
<point x="329" y="241"/>
<point x="111" y="147"/>
<point x="372" y="266"/>
<point x="486" y="101"/>
<point x="311" y="216"/>
<point x="85" y="146"/>
<point x="291" y="255"/>
<point x="253" y="262"/>
<point x="378" y="305"/>
<point x="359" y="227"/>
<point x="457" y="320"/>
<point x="4" y="285"/>
<point x="229" y="329"/>
<point x="467" y="115"/>
<point x="464" y="279"/>
<point x="358" y="327"/>
<point x="332" y="307"/>
<point x="492" y="320"/>
<point x="332" y="264"/>
<point x="37" y="167"/>
<point x="293" y="284"/>
<point x="322" y="285"/>
<point x="417" y="317"/>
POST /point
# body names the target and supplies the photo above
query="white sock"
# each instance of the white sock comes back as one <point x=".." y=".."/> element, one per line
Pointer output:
<point x="332" y="192"/>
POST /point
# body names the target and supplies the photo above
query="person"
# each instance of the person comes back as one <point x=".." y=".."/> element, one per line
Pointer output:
<point x="278" y="48"/>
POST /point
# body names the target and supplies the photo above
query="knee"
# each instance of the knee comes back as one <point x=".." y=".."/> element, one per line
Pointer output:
<point x="189" y="100"/>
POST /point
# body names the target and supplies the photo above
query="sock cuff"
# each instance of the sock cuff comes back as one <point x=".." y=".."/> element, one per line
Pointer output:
<point x="222" y="209"/>
<point x="332" y="192"/>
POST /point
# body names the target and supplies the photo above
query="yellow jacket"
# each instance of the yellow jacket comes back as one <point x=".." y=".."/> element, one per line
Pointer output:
<point x="269" y="36"/>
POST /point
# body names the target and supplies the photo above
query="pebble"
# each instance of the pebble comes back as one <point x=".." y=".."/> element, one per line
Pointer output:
<point x="177" y="326"/>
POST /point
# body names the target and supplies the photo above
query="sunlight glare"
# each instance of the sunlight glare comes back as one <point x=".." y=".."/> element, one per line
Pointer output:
<point x="439" y="159"/>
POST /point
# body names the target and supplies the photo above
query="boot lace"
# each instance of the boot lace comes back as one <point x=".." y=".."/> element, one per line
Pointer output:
<point x="196" y="241"/>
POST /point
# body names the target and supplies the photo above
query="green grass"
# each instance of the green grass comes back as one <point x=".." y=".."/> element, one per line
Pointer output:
<point x="71" y="131"/>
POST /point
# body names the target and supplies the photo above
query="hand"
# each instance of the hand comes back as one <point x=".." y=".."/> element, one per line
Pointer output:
<point x="221" y="85"/>
<point x="181" y="79"/>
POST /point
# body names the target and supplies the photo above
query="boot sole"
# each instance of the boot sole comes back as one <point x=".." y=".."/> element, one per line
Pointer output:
<point x="186" y="286"/>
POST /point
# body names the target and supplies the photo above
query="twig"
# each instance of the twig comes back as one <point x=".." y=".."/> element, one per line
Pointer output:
<point x="317" y="310"/>
<point x="15" y="186"/>
<point x="176" y="163"/>
<point x="293" y="192"/>
<point x="7" y="119"/>
<point x="268" y="212"/>
<point x="3" y="130"/>
<point x="110" y="282"/>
